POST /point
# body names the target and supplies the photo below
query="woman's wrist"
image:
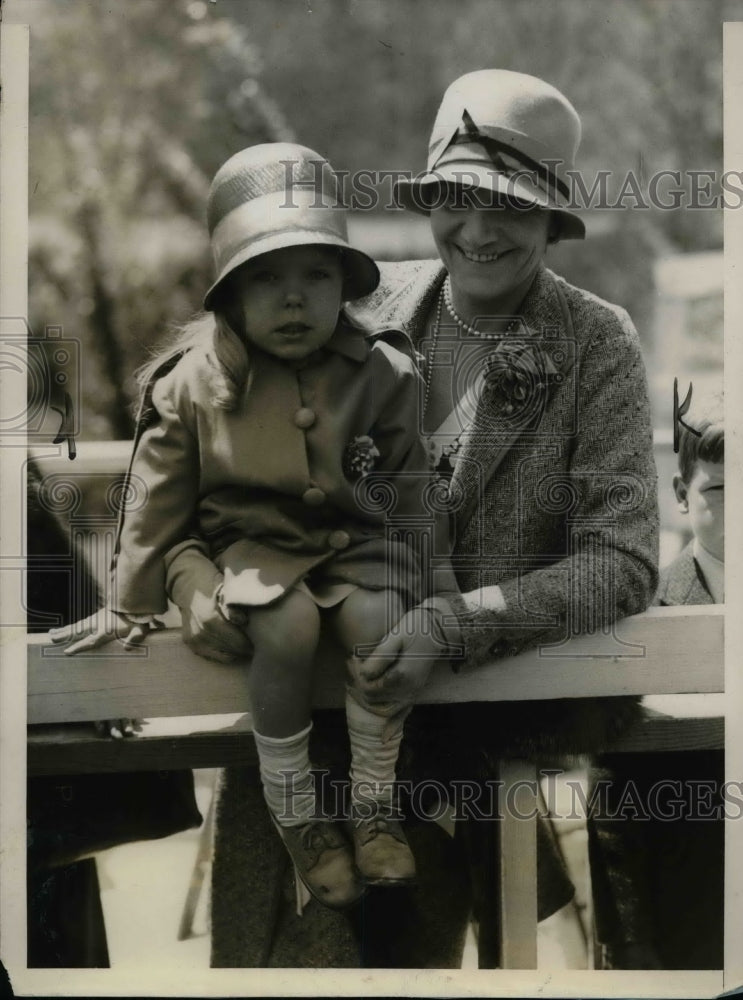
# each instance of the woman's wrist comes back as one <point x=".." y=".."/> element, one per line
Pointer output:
<point x="458" y="616"/>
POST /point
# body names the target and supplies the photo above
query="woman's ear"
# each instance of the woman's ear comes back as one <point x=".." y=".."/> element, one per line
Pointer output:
<point x="682" y="493"/>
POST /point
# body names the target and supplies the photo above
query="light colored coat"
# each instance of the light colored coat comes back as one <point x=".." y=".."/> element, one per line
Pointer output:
<point x="275" y="471"/>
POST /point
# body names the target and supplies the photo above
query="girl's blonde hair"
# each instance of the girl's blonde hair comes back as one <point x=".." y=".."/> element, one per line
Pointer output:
<point x="227" y="369"/>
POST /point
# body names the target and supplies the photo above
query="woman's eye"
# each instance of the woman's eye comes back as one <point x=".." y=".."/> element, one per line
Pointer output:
<point x="263" y="277"/>
<point x="319" y="274"/>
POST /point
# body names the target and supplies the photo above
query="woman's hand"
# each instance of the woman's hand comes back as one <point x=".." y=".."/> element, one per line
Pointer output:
<point x="401" y="664"/>
<point x="99" y="629"/>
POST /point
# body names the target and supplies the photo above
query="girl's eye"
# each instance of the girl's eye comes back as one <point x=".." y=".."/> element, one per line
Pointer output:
<point x="263" y="277"/>
<point x="319" y="274"/>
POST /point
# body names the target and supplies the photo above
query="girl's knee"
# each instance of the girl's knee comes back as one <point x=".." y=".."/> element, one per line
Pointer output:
<point x="366" y="616"/>
<point x="290" y="627"/>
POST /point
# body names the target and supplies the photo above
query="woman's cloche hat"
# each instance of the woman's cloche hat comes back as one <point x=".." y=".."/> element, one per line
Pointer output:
<point x="508" y="133"/>
<point x="278" y="195"/>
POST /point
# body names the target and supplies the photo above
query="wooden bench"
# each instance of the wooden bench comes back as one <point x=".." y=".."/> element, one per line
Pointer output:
<point x="672" y="651"/>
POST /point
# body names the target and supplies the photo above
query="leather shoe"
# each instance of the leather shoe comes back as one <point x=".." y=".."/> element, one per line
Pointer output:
<point x="323" y="860"/>
<point x="383" y="856"/>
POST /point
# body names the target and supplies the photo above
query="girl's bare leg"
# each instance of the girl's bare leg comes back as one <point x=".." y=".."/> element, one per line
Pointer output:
<point x="375" y="733"/>
<point x="285" y="637"/>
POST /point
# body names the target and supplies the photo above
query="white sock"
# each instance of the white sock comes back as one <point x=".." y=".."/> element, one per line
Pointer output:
<point x="375" y="744"/>
<point x="290" y="795"/>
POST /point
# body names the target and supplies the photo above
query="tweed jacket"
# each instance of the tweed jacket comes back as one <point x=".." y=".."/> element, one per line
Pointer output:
<point x="682" y="582"/>
<point x="278" y="472"/>
<point x="563" y="516"/>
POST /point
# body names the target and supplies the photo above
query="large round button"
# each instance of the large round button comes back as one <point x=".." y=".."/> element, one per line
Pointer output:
<point x="304" y="417"/>
<point x="313" y="496"/>
<point x="339" y="540"/>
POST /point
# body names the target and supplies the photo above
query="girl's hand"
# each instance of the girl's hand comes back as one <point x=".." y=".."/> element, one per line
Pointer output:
<point x="99" y="629"/>
<point x="207" y="632"/>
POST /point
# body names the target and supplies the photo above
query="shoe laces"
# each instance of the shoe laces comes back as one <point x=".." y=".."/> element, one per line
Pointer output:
<point x="314" y="838"/>
<point x="380" y="822"/>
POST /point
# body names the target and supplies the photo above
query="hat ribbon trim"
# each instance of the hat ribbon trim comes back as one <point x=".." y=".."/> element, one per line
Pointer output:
<point x="495" y="148"/>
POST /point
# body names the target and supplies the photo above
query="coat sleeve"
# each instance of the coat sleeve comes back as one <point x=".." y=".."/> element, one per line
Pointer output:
<point x="610" y="493"/>
<point x="160" y="503"/>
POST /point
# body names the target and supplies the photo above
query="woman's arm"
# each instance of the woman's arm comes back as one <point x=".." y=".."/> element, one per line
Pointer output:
<point x="612" y="569"/>
<point x="610" y="490"/>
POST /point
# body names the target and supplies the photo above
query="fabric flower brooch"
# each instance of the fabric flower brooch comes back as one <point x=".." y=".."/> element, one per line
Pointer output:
<point x="359" y="457"/>
<point x="516" y="377"/>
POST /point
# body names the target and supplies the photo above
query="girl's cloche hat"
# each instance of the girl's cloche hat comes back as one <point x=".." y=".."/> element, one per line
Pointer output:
<point x="278" y="195"/>
<point x="508" y="133"/>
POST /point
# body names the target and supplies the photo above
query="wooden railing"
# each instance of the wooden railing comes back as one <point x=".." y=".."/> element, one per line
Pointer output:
<point x="665" y="651"/>
<point x="683" y="653"/>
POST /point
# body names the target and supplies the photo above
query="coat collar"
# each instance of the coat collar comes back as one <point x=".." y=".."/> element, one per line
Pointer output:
<point x="682" y="581"/>
<point x="406" y="292"/>
<point x="349" y="339"/>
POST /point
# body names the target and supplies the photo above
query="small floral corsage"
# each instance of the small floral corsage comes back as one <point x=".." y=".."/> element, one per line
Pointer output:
<point x="359" y="457"/>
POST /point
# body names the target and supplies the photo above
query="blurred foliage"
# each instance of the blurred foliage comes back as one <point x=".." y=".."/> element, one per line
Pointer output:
<point x="134" y="105"/>
<point x="132" y="109"/>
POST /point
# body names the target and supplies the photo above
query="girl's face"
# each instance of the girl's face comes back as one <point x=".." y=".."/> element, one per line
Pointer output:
<point x="289" y="300"/>
<point x="490" y="250"/>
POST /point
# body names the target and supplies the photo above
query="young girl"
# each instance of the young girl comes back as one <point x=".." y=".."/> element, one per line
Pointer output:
<point x="284" y="435"/>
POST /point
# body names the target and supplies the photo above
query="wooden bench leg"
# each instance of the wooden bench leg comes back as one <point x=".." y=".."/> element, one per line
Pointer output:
<point x="517" y="865"/>
<point x="196" y="885"/>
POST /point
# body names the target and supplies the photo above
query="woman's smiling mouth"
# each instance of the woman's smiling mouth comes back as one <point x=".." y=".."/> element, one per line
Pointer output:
<point x="478" y="257"/>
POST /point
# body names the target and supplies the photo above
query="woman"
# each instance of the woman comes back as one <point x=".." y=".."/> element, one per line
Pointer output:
<point x="536" y="407"/>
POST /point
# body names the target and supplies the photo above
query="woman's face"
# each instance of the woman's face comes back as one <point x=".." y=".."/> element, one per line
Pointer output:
<point x="489" y="250"/>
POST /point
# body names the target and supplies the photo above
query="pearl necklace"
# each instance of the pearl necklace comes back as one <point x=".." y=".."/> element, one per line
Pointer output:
<point x="453" y="448"/>
<point x="471" y="330"/>
<point x="444" y="297"/>
<point x="431" y="354"/>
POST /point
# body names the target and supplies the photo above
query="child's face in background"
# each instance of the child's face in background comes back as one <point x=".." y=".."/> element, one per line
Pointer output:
<point x="290" y="299"/>
<point x="703" y="499"/>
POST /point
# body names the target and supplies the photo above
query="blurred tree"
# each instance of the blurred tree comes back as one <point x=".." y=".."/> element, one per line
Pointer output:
<point x="133" y="109"/>
<point x="136" y="104"/>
